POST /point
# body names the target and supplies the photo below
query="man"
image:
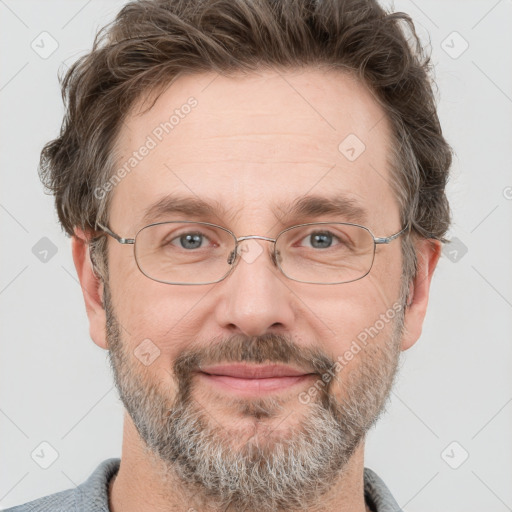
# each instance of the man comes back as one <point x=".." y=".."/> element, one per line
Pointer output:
<point x="255" y="195"/>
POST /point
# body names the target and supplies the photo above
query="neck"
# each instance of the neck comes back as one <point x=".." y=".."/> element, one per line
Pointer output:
<point x="144" y="483"/>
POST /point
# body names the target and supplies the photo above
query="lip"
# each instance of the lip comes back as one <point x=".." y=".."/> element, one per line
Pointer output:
<point x="247" y="380"/>
<point x="245" y="371"/>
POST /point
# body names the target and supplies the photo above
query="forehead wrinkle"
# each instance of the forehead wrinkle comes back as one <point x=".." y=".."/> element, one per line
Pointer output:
<point x="342" y="206"/>
<point x="189" y="206"/>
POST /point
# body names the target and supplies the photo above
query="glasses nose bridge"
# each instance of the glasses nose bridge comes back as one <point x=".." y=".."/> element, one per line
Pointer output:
<point x="252" y="237"/>
<point x="255" y="237"/>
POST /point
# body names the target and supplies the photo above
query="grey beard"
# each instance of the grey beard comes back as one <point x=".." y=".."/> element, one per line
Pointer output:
<point x="266" y="473"/>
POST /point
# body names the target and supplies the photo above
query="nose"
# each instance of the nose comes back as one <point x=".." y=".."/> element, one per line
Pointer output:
<point x="255" y="298"/>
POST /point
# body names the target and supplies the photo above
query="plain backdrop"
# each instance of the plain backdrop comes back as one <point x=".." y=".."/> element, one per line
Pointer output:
<point x="445" y="443"/>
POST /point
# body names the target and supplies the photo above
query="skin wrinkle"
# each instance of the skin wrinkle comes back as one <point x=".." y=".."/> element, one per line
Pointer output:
<point x="186" y="442"/>
<point x="259" y="476"/>
<point x="250" y="104"/>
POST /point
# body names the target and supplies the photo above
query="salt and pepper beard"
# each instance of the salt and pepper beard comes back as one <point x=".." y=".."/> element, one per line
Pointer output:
<point x="262" y="469"/>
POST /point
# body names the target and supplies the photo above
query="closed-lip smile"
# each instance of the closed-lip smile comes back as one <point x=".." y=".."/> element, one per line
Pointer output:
<point x="247" y="379"/>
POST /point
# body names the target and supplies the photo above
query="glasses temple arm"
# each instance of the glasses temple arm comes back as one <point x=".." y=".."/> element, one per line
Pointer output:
<point x="386" y="240"/>
<point x="120" y="239"/>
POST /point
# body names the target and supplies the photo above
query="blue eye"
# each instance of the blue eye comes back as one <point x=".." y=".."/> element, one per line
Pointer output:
<point x="189" y="240"/>
<point x="322" y="239"/>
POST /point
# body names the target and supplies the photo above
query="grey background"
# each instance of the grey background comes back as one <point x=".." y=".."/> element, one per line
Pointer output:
<point x="455" y="383"/>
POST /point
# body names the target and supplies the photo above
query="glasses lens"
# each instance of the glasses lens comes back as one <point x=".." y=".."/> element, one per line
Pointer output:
<point x="184" y="252"/>
<point x="325" y="253"/>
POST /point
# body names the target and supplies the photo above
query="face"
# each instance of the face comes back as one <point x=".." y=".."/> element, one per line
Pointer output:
<point x="250" y="146"/>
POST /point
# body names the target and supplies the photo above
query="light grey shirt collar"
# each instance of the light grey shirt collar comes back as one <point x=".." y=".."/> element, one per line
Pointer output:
<point x="92" y="495"/>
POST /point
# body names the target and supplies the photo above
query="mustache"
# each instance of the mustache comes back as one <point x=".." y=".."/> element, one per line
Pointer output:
<point x="267" y="348"/>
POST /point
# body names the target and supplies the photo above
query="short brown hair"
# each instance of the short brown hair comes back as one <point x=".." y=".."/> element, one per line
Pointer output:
<point x="153" y="42"/>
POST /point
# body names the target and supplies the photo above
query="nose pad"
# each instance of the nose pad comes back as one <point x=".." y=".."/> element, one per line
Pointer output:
<point x="275" y="256"/>
<point x="232" y="257"/>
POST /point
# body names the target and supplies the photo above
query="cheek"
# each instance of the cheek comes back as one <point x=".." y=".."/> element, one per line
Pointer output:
<point x="346" y="308"/>
<point x="350" y="316"/>
<point x="364" y="332"/>
<point x="164" y="314"/>
<point x="142" y="306"/>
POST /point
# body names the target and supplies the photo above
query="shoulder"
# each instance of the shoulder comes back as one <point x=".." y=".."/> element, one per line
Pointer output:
<point x="63" y="501"/>
<point x="377" y="494"/>
<point x="90" y="496"/>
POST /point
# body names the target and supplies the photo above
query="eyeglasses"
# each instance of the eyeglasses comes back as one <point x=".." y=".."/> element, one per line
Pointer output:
<point x="193" y="253"/>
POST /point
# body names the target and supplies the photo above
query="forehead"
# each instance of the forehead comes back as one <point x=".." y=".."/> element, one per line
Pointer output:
<point x="249" y="144"/>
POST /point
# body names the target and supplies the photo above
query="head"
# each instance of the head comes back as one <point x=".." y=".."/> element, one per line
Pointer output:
<point x="250" y="108"/>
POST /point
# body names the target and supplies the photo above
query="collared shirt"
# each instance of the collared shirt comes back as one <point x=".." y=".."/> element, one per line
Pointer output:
<point x="92" y="495"/>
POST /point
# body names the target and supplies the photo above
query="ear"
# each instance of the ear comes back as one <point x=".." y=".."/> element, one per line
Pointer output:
<point x="428" y="252"/>
<point x="92" y="288"/>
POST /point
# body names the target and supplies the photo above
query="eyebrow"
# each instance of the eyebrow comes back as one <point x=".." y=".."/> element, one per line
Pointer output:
<point x="341" y="205"/>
